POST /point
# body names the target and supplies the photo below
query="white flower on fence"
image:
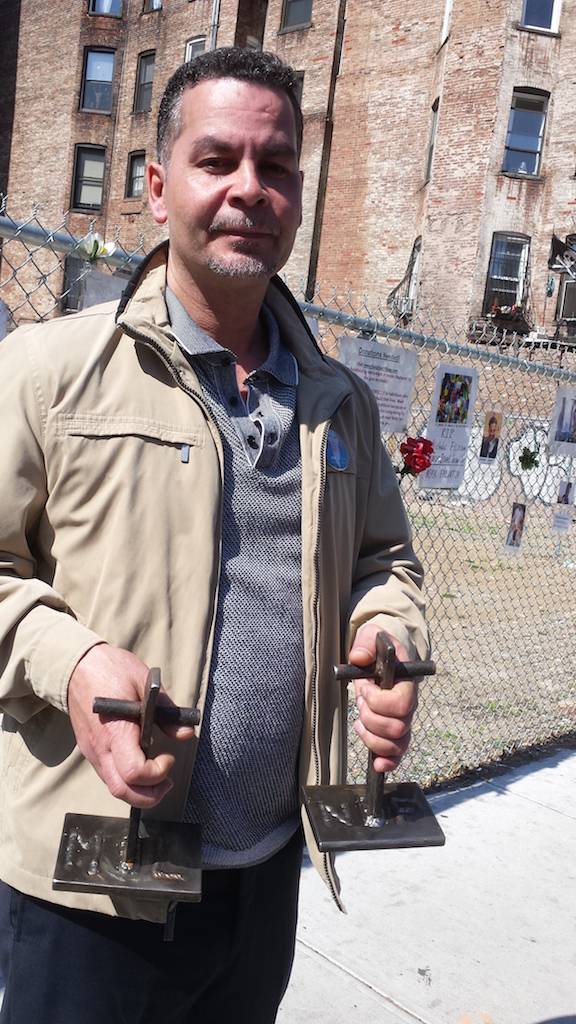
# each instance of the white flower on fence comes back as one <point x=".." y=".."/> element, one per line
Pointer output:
<point x="94" y="246"/>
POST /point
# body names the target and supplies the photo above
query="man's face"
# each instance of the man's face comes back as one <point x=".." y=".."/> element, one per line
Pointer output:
<point x="232" y="191"/>
<point x="492" y="430"/>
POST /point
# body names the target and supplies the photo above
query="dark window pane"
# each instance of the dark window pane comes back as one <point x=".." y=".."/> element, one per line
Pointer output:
<point x="145" y="79"/>
<point x="135" y="184"/>
<point x="525" y="134"/>
<point x="106" y="7"/>
<point x="89" y="179"/>
<point x="538" y="13"/>
<point x="73" y="284"/>
<point x="569" y="301"/>
<point x="97" y="94"/>
<point x="297" y="12"/>
<point x="506" y="272"/>
<point x="519" y="162"/>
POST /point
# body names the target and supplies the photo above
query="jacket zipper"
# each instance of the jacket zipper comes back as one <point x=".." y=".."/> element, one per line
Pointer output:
<point x="156" y="347"/>
<point x="325" y="857"/>
<point x="185" y="387"/>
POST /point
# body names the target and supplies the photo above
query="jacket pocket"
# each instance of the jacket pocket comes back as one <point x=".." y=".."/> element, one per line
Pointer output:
<point x="99" y="426"/>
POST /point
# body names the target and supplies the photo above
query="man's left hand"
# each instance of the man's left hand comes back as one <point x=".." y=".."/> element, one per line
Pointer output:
<point x="385" y="716"/>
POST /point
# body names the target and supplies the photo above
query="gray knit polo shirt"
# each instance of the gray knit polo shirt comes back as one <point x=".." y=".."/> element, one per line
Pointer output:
<point x="244" y="789"/>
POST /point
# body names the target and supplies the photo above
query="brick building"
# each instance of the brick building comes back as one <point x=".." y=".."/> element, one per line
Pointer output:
<point x="439" y="150"/>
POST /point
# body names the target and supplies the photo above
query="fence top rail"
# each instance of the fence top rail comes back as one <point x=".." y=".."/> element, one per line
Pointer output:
<point x="59" y="241"/>
<point x="369" y="326"/>
<point x="64" y="242"/>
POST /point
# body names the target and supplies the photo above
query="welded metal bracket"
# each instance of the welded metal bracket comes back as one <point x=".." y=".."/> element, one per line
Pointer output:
<point x="378" y="815"/>
<point x="145" y="859"/>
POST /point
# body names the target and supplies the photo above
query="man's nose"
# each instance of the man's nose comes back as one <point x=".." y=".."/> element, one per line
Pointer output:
<point x="247" y="185"/>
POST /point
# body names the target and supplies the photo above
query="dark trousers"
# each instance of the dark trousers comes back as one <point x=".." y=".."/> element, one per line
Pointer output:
<point x="230" y="958"/>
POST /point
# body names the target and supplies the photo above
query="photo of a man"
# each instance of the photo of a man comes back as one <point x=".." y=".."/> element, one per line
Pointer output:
<point x="491" y="436"/>
<point x="516" y="525"/>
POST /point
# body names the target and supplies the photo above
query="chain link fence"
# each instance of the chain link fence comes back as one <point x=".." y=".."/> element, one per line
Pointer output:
<point x="503" y="618"/>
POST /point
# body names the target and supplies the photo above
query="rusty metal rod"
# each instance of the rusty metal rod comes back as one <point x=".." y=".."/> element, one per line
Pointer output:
<point x="402" y="670"/>
<point x="131" y="710"/>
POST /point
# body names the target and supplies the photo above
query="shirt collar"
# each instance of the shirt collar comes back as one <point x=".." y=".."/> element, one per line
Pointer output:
<point x="280" y="363"/>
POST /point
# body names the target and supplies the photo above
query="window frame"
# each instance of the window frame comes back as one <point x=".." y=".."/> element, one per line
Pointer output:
<point x="565" y="282"/>
<point x="531" y="94"/>
<point x="152" y="5"/>
<point x="288" y="26"/>
<point x="142" y="86"/>
<point x="188" y="54"/>
<point x="130" y="177"/>
<point x="80" y="149"/>
<point x="554" y="20"/>
<point x="104" y="14"/>
<point x="89" y="50"/>
<point x="490" y="292"/>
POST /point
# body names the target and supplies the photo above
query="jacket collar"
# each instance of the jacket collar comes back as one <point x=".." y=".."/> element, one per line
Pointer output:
<point x="142" y="311"/>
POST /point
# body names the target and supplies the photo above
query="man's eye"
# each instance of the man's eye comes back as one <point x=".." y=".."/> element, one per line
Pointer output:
<point x="217" y="164"/>
<point x="276" y="170"/>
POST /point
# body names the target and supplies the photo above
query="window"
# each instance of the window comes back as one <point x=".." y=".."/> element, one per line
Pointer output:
<point x="88" y="178"/>
<point x="144" y="79"/>
<point x="135" y="175"/>
<point x="542" y="14"/>
<point x="111" y="7"/>
<point x="296" y="13"/>
<point x="431" y="140"/>
<point x="507" y="282"/>
<point x="194" y="47"/>
<point x="566" y="299"/>
<point x="152" y="5"/>
<point x="298" y="85"/>
<point x="73" y="284"/>
<point x="446" y="23"/>
<point x="253" y="43"/>
<point x="525" y="132"/>
<point x="97" y="83"/>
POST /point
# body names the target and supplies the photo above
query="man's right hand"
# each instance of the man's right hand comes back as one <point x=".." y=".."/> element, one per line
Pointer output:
<point x="111" y="745"/>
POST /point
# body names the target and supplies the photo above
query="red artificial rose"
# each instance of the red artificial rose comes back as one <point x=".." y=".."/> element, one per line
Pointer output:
<point x="417" y="452"/>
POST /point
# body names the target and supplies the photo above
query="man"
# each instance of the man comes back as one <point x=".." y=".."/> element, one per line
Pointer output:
<point x="187" y="482"/>
<point x="489" y="445"/>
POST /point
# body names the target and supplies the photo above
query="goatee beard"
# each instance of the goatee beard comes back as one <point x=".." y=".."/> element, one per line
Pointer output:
<point x="241" y="265"/>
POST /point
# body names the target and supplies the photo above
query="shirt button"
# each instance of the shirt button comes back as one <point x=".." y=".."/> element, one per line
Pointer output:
<point x="252" y="441"/>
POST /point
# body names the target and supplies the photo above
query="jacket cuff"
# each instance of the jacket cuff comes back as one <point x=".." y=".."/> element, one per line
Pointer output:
<point x="56" y="655"/>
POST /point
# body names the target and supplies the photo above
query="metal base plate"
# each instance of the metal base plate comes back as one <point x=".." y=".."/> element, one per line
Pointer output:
<point x="339" y="818"/>
<point x="90" y="859"/>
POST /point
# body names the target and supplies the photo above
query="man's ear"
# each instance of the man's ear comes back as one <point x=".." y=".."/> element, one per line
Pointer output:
<point x="156" y="180"/>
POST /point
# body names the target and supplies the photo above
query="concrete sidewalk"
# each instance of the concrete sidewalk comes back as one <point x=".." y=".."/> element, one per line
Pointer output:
<point x="480" y="931"/>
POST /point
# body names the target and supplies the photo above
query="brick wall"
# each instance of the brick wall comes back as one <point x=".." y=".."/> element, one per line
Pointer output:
<point x="376" y="201"/>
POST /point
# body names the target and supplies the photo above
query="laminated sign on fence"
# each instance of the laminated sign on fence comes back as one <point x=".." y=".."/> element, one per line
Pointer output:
<point x="450" y="424"/>
<point x="390" y="372"/>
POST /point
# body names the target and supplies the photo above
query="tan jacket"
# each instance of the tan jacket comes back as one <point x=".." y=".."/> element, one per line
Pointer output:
<point x="105" y="533"/>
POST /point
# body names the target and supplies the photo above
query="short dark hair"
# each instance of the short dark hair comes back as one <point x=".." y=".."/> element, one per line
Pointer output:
<point x="246" y="65"/>
<point x="493" y="419"/>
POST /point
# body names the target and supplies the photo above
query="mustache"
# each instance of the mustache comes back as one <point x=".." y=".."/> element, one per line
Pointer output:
<point x="244" y="224"/>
